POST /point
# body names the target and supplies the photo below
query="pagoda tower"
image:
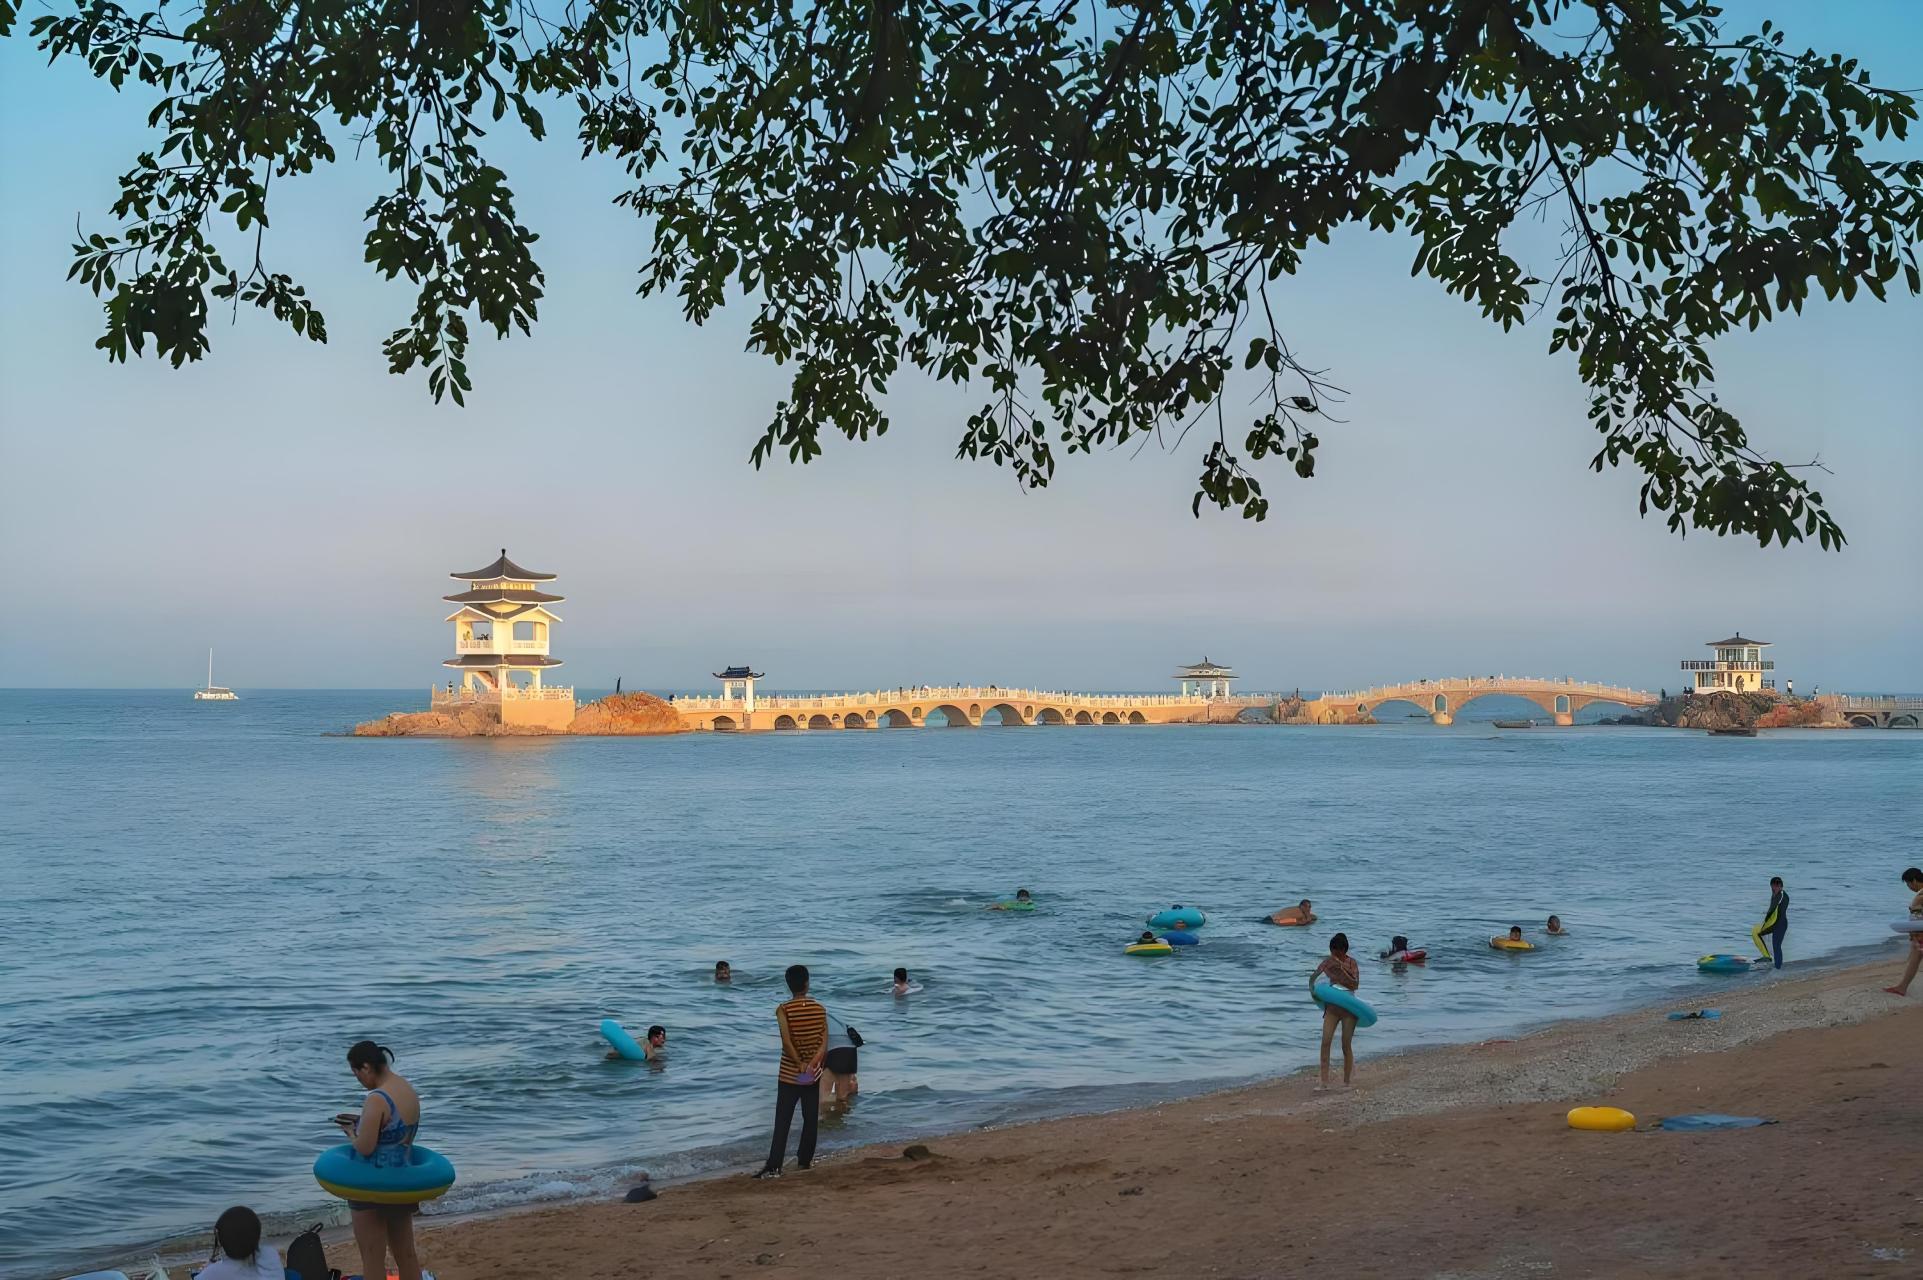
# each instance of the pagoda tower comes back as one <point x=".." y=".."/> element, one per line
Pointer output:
<point x="502" y="627"/>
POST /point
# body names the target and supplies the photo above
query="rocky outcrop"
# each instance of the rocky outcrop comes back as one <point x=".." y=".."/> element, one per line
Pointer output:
<point x="621" y="715"/>
<point x="1740" y="711"/>
<point x="467" y="722"/>
<point x="627" y="715"/>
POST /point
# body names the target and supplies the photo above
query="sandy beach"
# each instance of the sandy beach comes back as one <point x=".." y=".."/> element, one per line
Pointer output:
<point x="1447" y="1162"/>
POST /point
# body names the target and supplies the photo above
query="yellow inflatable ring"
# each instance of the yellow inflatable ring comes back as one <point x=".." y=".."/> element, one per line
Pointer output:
<point x="1601" y="1119"/>
<point x="1148" y="949"/>
<point x="1511" y="944"/>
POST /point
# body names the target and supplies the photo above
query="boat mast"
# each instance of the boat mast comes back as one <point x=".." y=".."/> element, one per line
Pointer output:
<point x="210" y="667"/>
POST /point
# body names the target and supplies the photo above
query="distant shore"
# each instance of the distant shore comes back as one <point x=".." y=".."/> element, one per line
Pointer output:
<point x="1450" y="1160"/>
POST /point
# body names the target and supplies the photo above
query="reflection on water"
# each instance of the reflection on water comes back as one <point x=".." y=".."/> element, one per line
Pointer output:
<point x="215" y="900"/>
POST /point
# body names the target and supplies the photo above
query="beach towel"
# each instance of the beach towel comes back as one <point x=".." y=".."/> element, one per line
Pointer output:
<point x="1691" y="1124"/>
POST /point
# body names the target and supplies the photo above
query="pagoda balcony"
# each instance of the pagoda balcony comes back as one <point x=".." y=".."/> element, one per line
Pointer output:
<point x="1703" y="664"/>
<point x="440" y="696"/>
<point x="487" y="645"/>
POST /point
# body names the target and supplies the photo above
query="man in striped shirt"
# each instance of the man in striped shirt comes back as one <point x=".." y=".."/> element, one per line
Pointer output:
<point x="804" y="1042"/>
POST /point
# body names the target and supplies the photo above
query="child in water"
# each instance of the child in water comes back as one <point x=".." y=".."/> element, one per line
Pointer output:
<point x="1397" y="945"/>
<point x="1555" y="927"/>
<point x="1148" y="935"/>
<point x="1022" y="899"/>
<point x="722" y="971"/>
<point x="901" y="982"/>
<point x="1515" y="933"/>
<point x="1340" y="969"/>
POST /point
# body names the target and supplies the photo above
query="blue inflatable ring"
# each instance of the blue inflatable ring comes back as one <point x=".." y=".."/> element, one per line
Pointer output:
<point x="1178" y="914"/>
<point x="1181" y="938"/>
<point x="1327" y="992"/>
<point x="1723" y="964"/>
<point x="624" y="1044"/>
<point x="345" y="1172"/>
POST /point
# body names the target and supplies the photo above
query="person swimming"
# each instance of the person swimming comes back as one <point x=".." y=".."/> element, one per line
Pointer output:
<point x="901" y="982"/>
<point x="1397" y="945"/>
<point x="1022" y="899"/>
<point x="1148" y="935"/>
<point x="1555" y="927"/>
<point x="723" y="972"/>
<point x="1301" y="913"/>
<point x="1515" y="933"/>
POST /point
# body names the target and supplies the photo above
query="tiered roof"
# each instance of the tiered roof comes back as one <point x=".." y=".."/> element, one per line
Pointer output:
<point x="1737" y="641"/>
<point x="739" y="673"/>
<point x="503" y="570"/>
<point x="1204" y="669"/>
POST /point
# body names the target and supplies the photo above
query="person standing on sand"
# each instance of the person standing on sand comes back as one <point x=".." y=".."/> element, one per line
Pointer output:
<point x="1342" y="970"/>
<point x="1913" y="881"/>
<point x="1775" y="923"/>
<point x="804" y="1042"/>
<point x="383" y="1131"/>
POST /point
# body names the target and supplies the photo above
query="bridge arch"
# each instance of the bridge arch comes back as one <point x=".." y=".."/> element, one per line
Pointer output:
<point x="854" y="720"/>
<point x="1903" y="721"/>
<point x="1109" y="717"/>
<point x="724" y="724"/>
<point x="1863" y="722"/>
<point x="1006" y="714"/>
<point x="820" y="722"/>
<point x="1083" y="717"/>
<point x="894" y="718"/>
<point x="785" y="722"/>
<point x="953" y="716"/>
<point x="1049" y="715"/>
<point x="1136" y="717"/>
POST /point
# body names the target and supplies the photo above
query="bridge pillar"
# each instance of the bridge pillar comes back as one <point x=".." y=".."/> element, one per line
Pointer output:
<point x="1565" y="718"/>
<point x="1441" y="717"/>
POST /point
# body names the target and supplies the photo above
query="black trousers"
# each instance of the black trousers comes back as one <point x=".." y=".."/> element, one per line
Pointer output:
<point x="786" y="1096"/>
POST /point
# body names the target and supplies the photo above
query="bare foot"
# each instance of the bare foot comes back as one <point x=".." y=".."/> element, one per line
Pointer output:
<point x="1896" y="991"/>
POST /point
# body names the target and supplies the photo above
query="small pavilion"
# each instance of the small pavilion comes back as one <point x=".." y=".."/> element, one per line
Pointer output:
<point x="1736" y="666"/>
<point x="743" y="676"/>
<point x="1205" y="679"/>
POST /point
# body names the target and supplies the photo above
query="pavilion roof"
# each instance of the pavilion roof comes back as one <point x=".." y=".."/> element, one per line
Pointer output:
<point x="501" y="595"/>
<point x="507" y="614"/>
<point x="503" y="569"/>
<point x="1735" y="641"/>
<point x="1205" y="668"/>
<point x="739" y="673"/>
<point x="501" y="660"/>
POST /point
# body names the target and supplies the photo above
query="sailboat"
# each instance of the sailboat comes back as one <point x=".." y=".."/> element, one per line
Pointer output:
<point x="213" y="692"/>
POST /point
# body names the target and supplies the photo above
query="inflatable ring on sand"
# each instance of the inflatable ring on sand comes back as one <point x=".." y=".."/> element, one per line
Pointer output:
<point x="1723" y="964"/>
<point x="345" y="1172"/>
<point x="1327" y="993"/>
<point x="1148" y="949"/>
<point x="1175" y="915"/>
<point x="1511" y="944"/>
<point x="1601" y="1119"/>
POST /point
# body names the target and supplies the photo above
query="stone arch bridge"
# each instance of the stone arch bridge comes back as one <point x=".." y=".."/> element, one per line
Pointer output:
<point x="1442" y="700"/>
<point x="958" y="707"/>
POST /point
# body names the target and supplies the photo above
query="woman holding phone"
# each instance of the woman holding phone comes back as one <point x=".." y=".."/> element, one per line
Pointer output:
<point x="389" y="1117"/>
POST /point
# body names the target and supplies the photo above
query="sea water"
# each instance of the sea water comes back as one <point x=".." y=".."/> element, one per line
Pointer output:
<point x="203" y="904"/>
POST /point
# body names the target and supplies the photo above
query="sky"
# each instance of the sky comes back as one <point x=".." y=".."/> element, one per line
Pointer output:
<point x="298" y="509"/>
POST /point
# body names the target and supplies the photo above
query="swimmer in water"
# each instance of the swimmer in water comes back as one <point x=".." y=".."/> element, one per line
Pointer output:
<point x="1397" y="945"/>
<point x="652" y="1046"/>
<point x="1555" y="927"/>
<point x="1515" y="933"/>
<point x="1340" y="968"/>
<point x="1148" y="935"/>
<point x="1022" y="899"/>
<point x="1300" y="913"/>
<point x="901" y="982"/>
<point x="723" y="972"/>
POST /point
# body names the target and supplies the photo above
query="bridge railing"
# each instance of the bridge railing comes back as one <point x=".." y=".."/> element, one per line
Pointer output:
<point x="1870" y="702"/>
<point x="1496" y="684"/>
<point x="927" y="696"/>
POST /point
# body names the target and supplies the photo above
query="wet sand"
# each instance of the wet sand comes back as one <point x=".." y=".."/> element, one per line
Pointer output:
<point x="1449" y="1162"/>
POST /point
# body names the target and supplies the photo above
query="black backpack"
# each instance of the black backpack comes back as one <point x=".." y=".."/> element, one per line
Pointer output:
<point x="307" y="1258"/>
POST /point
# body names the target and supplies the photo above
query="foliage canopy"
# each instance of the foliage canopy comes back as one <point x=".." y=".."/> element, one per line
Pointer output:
<point x="1082" y="211"/>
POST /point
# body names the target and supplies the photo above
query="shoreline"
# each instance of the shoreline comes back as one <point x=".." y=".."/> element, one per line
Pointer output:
<point x="990" y="1171"/>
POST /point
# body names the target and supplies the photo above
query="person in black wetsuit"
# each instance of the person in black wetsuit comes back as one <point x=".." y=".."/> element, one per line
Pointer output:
<point x="1775" y="923"/>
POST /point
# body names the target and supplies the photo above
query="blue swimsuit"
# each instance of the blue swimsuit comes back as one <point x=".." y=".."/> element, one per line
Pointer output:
<point x="391" y="1145"/>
